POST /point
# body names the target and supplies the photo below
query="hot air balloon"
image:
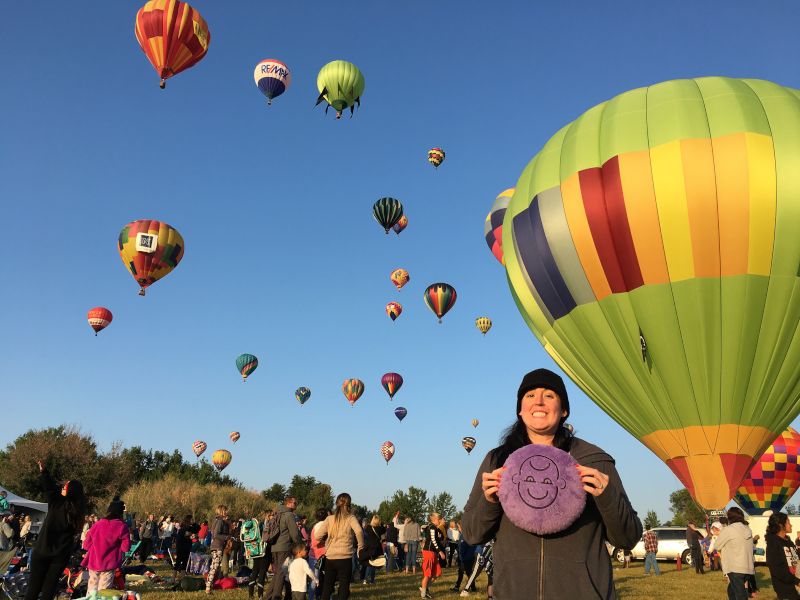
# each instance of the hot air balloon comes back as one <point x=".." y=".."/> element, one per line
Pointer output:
<point x="775" y="477"/>
<point x="340" y="84"/>
<point x="483" y="324"/>
<point x="150" y="250"/>
<point x="387" y="212"/>
<point x="272" y="77"/>
<point x="475" y="422"/>
<point x="652" y="248"/>
<point x="302" y="394"/>
<point x="99" y="318"/>
<point x="172" y="35"/>
<point x="246" y="364"/>
<point x="199" y="447"/>
<point x="400" y="225"/>
<point x="392" y="382"/>
<point x="352" y="390"/>
<point x="394" y="310"/>
<point x="436" y="156"/>
<point x="468" y="443"/>
<point x="400" y="412"/>
<point x="493" y="226"/>
<point x="399" y="278"/>
<point x="234" y="435"/>
<point x="387" y="451"/>
<point x="221" y="459"/>
<point x="440" y="298"/>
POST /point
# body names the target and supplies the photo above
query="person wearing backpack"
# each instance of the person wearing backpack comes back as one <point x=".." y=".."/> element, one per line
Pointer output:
<point x="282" y="546"/>
<point x="254" y="548"/>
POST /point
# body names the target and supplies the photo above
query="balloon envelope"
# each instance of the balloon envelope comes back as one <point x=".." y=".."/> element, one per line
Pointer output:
<point x="234" y="435"/>
<point x="340" y="84"/>
<point x="775" y="477"/>
<point x="352" y="390"/>
<point x="392" y="382"/>
<point x="149" y="250"/>
<point x="440" y="298"/>
<point x="387" y="451"/>
<point x="246" y="364"/>
<point x="394" y="310"/>
<point x="493" y="226"/>
<point x="400" y="412"/>
<point x="99" y="318"/>
<point x="468" y="443"/>
<point x="652" y="248"/>
<point x="302" y="394"/>
<point x="483" y="324"/>
<point x="436" y="156"/>
<point x="199" y="447"/>
<point x="387" y="212"/>
<point x="172" y="35"/>
<point x="401" y="224"/>
<point x="272" y="77"/>
<point x="399" y="278"/>
<point x="475" y="422"/>
<point x="221" y="459"/>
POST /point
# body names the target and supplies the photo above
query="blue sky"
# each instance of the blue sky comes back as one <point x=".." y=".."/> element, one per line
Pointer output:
<point x="283" y="258"/>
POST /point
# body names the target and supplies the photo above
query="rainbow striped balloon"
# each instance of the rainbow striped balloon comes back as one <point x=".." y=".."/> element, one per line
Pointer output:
<point x="652" y="247"/>
<point x="775" y="477"/>
<point x="440" y="298"/>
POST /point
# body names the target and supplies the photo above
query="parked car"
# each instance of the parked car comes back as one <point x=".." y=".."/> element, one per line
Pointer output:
<point x="671" y="543"/>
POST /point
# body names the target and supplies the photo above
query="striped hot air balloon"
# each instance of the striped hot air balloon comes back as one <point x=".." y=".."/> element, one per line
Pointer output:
<point x="493" y="226"/>
<point x="392" y="382"/>
<point x="436" y="156"/>
<point x="221" y="459"/>
<point x="387" y="212"/>
<point x="149" y="250"/>
<point x="387" y="451"/>
<point x="399" y="278"/>
<point x="483" y="324"/>
<point x="394" y="310"/>
<point x="172" y="35"/>
<point x="475" y="422"/>
<point x="99" y="318"/>
<point x="199" y="447"/>
<point x="246" y="364"/>
<point x="652" y="247"/>
<point x="468" y="443"/>
<point x="775" y="477"/>
<point x="340" y="84"/>
<point x="401" y="224"/>
<point x="352" y="390"/>
<point x="234" y="435"/>
<point x="302" y="394"/>
<point x="440" y="298"/>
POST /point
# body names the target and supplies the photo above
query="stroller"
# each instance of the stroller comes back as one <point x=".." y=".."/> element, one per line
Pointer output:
<point x="130" y="554"/>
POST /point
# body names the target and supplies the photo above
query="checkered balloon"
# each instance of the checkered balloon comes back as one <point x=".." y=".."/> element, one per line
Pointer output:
<point x="775" y="477"/>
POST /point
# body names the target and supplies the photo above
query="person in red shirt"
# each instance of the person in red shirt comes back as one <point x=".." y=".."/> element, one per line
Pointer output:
<point x="650" y="550"/>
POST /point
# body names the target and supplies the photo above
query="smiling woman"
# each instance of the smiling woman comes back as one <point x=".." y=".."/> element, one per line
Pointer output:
<point x="573" y="562"/>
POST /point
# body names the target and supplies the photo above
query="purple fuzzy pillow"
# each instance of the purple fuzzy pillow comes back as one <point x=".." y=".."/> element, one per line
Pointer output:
<point x="541" y="490"/>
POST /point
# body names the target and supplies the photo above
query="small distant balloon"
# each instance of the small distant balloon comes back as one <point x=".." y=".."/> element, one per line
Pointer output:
<point x="99" y="318"/>
<point x="234" y="435"/>
<point x="436" y="156"/>
<point x="483" y="324"/>
<point x="468" y="443"/>
<point x="199" y="447"/>
<point x="392" y="382"/>
<point x="400" y="225"/>
<point x="394" y="310"/>
<point x="302" y="394"/>
<point x="400" y="412"/>
<point x="272" y="77"/>
<point x="352" y="390"/>
<point x="475" y="422"/>
<point x="387" y="451"/>
<point x="387" y="212"/>
<point x="221" y="459"/>
<point x="399" y="278"/>
<point x="246" y="364"/>
<point x="440" y="298"/>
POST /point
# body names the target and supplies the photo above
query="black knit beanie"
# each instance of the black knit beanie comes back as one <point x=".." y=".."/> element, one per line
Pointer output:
<point x="116" y="508"/>
<point x="543" y="378"/>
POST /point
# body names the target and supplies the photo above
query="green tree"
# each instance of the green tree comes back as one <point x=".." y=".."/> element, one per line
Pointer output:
<point x="791" y="509"/>
<point x="442" y="504"/>
<point x="685" y="509"/>
<point x="275" y="493"/>
<point x="651" y="520"/>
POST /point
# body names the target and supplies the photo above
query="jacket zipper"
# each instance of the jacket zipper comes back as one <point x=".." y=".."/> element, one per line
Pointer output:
<point x="541" y="569"/>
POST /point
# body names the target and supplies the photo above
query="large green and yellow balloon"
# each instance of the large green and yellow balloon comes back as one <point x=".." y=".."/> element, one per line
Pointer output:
<point x="340" y="84"/>
<point x="652" y="246"/>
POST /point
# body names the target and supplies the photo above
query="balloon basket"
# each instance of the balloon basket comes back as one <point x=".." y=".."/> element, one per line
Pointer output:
<point x="163" y="84"/>
<point x="141" y="291"/>
<point x="338" y="115"/>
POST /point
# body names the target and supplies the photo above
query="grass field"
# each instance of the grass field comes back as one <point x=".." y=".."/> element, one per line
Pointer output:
<point x="631" y="583"/>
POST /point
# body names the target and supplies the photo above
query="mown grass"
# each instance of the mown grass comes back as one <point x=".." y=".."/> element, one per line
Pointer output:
<point x="631" y="583"/>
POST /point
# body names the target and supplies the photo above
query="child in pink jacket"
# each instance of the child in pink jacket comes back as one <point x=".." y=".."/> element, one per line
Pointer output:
<point x="105" y="543"/>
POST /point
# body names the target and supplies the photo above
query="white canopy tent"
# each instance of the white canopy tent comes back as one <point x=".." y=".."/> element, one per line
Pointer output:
<point x="37" y="510"/>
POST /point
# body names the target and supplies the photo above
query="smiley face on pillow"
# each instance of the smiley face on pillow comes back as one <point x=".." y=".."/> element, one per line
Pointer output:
<point x="540" y="489"/>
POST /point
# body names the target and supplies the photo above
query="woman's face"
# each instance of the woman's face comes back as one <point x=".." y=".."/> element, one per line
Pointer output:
<point x="541" y="411"/>
<point x="788" y="526"/>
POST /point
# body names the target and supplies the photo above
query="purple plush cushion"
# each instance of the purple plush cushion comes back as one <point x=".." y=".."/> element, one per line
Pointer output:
<point x="540" y="489"/>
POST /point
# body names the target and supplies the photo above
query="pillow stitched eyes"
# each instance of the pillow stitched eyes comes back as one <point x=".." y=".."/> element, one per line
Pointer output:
<point x="541" y="490"/>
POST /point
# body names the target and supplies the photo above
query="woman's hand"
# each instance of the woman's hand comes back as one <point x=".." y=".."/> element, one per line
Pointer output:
<point x="594" y="482"/>
<point x="491" y="484"/>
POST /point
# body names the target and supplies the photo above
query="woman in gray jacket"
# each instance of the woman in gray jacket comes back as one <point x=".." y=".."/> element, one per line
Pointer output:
<point x="573" y="563"/>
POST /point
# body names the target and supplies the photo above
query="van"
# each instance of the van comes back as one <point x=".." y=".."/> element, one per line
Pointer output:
<point x="671" y="544"/>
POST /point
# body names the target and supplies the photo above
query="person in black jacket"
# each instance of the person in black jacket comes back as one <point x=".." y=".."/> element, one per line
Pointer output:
<point x="573" y="563"/>
<point x="782" y="557"/>
<point x="693" y="539"/>
<point x="183" y="543"/>
<point x="372" y="549"/>
<point x="66" y="509"/>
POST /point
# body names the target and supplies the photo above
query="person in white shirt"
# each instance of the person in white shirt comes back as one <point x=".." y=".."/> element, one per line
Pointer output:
<point x="453" y="537"/>
<point x="401" y="539"/>
<point x="299" y="572"/>
<point x="735" y="542"/>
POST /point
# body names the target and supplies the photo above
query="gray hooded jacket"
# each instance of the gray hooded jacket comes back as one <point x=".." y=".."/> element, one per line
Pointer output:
<point x="573" y="563"/>
<point x="288" y="530"/>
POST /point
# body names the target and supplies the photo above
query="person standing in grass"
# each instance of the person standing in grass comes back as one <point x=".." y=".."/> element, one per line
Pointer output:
<point x="105" y="543"/>
<point x="650" y="551"/>
<point x="299" y="572"/>
<point x="782" y="557"/>
<point x="693" y="539"/>
<point x="735" y="543"/>
<point x="343" y="539"/>
<point x="413" y="533"/>
<point x="401" y="541"/>
<point x="432" y="552"/>
<point x="220" y="533"/>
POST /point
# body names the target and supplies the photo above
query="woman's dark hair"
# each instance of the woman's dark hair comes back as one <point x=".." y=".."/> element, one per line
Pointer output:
<point x="187" y="521"/>
<point x="516" y="436"/>
<point x="735" y="515"/>
<point x="321" y="514"/>
<point x="777" y="521"/>
<point x="75" y="504"/>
